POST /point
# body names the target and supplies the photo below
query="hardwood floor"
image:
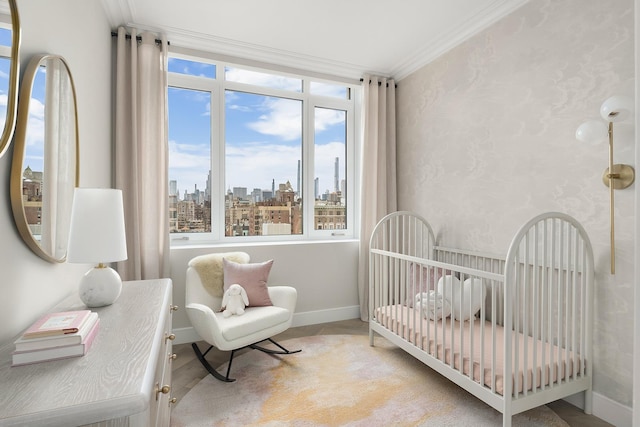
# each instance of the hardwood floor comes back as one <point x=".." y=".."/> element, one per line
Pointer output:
<point x="187" y="370"/>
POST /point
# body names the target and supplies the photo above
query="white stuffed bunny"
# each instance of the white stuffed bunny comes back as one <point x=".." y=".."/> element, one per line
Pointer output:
<point x="234" y="300"/>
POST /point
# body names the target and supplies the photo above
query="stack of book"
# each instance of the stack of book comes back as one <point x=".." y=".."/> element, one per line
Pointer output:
<point x="57" y="336"/>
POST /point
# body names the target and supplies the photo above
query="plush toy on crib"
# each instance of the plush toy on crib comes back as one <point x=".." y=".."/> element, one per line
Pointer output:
<point x="234" y="300"/>
<point x="433" y="305"/>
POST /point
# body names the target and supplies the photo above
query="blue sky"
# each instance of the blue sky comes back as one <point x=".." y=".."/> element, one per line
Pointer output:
<point x="5" y="40"/>
<point x="34" y="147"/>
<point x="263" y="136"/>
<point x="34" y="139"/>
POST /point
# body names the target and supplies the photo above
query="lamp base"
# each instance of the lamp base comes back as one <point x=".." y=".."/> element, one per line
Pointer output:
<point x="100" y="286"/>
<point x="626" y="176"/>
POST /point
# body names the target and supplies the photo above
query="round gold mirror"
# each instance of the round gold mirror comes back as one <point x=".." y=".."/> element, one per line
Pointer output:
<point x="9" y="70"/>
<point x="44" y="169"/>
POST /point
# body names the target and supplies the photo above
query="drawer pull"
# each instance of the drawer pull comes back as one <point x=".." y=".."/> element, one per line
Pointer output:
<point x="173" y="400"/>
<point x="164" y="390"/>
<point x="169" y="337"/>
<point x="173" y="356"/>
<point x="173" y="308"/>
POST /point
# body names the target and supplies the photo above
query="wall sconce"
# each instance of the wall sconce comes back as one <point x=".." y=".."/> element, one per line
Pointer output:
<point x="618" y="176"/>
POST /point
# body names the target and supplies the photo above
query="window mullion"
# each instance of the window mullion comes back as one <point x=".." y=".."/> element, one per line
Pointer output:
<point x="217" y="162"/>
<point x="307" y="163"/>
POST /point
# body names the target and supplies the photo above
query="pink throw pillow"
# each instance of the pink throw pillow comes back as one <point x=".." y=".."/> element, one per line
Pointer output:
<point x="252" y="277"/>
<point x="421" y="280"/>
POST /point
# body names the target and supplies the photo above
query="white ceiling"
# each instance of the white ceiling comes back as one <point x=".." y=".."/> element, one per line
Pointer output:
<point x="346" y="38"/>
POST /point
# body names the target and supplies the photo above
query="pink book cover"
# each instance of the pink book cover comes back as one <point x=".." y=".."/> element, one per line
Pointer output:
<point x="56" y="353"/>
<point x="60" y="323"/>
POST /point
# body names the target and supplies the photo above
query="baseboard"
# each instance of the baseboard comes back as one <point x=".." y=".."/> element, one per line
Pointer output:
<point x="185" y="335"/>
<point x="325" y="316"/>
<point x="606" y="409"/>
<point x="189" y="335"/>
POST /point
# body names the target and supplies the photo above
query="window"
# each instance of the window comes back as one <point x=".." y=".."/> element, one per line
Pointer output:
<point x="257" y="154"/>
<point x="5" y="65"/>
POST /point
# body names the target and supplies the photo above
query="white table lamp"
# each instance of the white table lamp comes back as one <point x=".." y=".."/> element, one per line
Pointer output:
<point x="97" y="236"/>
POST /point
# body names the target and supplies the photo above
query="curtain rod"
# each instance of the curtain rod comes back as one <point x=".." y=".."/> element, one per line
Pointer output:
<point x="138" y="38"/>
<point x="379" y="83"/>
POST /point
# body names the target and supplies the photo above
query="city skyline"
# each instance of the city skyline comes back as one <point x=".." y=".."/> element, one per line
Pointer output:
<point x="176" y="189"/>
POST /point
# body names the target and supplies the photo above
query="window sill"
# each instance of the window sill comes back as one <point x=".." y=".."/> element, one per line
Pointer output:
<point x="187" y="245"/>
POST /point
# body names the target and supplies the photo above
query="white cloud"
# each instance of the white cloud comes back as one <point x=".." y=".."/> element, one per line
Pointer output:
<point x="283" y="119"/>
<point x="326" y="117"/>
<point x="35" y="135"/>
<point x="253" y="165"/>
<point x="263" y="79"/>
<point x="256" y="165"/>
<point x="189" y="165"/>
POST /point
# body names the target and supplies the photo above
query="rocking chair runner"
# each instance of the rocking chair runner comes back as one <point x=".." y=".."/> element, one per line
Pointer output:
<point x="256" y="325"/>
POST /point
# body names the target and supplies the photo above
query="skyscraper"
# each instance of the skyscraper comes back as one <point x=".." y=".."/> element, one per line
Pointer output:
<point x="336" y="176"/>
<point x="207" y="190"/>
<point x="316" y="188"/>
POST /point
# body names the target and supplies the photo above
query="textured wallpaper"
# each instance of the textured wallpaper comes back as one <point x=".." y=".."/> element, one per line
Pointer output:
<point x="486" y="140"/>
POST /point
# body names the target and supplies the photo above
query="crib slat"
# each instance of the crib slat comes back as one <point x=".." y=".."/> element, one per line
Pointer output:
<point x="536" y="302"/>
<point x="559" y="301"/>
<point x="574" y="291"/>
<point x="494" y="340"/>
<point x="550" y="302"/>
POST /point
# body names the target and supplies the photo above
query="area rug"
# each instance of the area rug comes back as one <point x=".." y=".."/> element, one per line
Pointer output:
<point x="339" y="380"/>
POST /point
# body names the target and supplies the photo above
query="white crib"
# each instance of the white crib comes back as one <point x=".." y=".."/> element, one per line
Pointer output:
<point x="447" y="308"/>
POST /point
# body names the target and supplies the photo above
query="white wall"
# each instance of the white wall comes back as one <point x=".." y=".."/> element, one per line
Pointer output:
<point x="487" y="140"/>
<point x="77" y="30"/>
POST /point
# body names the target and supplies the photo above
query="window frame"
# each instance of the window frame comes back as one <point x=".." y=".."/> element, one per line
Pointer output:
<point x="217" y="88"/>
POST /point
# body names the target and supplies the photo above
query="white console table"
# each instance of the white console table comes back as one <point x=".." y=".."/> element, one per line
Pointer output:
<point x="124" y="379"/>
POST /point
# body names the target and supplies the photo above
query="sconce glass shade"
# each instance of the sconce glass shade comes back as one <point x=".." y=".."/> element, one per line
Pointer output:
<point x="592" y="132"/>
<point x="616" y="108"/>
<point x="97" y="236"/>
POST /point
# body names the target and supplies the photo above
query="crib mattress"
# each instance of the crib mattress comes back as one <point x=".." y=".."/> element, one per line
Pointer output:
<point x="434" y="337"/>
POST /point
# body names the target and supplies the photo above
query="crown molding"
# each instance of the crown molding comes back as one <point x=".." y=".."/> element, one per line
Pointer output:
<point x="235" y="48"/>
<point x="117" y="11"/>
<point x="121" y="12"/>
<point x="468" y="28"/>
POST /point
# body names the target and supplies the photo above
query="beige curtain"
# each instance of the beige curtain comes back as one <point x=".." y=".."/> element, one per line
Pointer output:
<point x="60" y="158"/>
<point x="378" y="179"/>
<point x="141" y="158"/>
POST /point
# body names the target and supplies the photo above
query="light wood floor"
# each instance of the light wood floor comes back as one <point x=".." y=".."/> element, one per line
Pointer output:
<point x="187" y="370"/>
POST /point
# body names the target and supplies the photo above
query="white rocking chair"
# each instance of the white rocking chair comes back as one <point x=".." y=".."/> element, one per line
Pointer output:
<point x="233" y="333"/>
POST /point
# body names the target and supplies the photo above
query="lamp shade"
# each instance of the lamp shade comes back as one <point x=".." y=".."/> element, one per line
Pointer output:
<point x="592" y="132"/>
<point x="616" y="108"/>
<point x="97" y="233"/>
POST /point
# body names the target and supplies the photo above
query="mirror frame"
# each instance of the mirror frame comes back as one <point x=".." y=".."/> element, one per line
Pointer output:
<point x="14" y="72"/>
<point x="20" y="143"/>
